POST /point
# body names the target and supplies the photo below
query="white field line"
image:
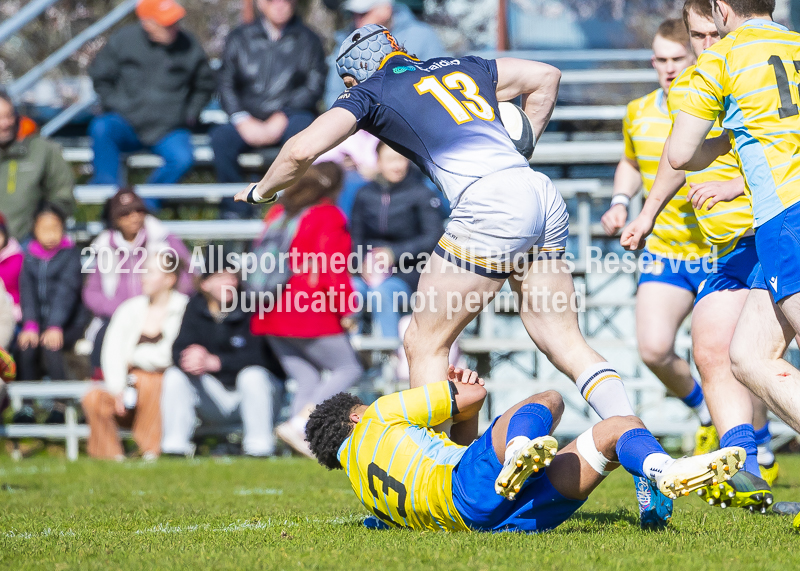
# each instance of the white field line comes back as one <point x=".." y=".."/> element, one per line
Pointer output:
<point x="166" y="528"/>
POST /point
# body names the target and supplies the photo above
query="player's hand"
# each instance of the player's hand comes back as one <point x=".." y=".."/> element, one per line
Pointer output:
<point x="53" y="339"/>
<point x="614" y="219"/>
<point x="634" y="234"/>
<point x="709" y="193"/>
<point x="463" y="376"/>
<point x="28" y="340"/>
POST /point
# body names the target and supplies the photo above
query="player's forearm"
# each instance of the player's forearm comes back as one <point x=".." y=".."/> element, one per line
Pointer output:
<point x="667" y="184"/>
<point x="536" y="82"/>
<point x="539" y="105"/>
<point x="627" y="179"/>
<point x="707" y="153"/>
<point x="287" y="169"/>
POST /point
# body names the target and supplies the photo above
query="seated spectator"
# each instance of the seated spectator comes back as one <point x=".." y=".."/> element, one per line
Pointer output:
<point x="358" y="157"/>
<point x="115" y="273"/>
<point x="395" y="223"/>
<point x="11" y="259"/>
<point x="220" y="374"/>
<point x="271" y="80"/>
<point x="52" y="313"/>
<point x="32" y="171"/>
<point x="137" y="352"/>
<point x="419" y="39"/>
<point x="153" y="80"/>
<point x="307" y="338"/>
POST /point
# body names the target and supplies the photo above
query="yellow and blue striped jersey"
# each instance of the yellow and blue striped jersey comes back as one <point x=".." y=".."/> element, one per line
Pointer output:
<point x="726" y="222"/>
<point x="400" y="469"/>
<point x="645" y="129"/>
<point x="750" y="77"/>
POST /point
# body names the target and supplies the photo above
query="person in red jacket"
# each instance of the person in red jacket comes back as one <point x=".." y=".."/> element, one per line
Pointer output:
<point x="308" y="337"/>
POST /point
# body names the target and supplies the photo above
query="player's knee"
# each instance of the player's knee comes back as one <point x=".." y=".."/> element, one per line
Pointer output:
<point x="608" y="431"/>
<point x="554" y="402"/>
<point x="655" y="354"/>
<point x="710" y="354"/>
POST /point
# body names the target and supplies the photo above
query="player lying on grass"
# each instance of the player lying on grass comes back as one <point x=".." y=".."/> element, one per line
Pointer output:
<point x="510" y="479"/>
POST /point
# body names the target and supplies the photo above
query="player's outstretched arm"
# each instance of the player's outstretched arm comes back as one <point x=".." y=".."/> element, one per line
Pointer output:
<point x="690" y="150"/>
<point x="627" y="182"/>
<point x="327" y="131"/>
<point x="666" y="185"/>
<point x="536" y="82"/>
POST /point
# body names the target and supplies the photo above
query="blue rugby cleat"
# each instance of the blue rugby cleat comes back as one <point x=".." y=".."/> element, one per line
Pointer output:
<point x="655" y="509"/>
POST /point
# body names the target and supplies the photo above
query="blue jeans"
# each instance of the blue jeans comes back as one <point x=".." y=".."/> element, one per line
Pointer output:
<point x="383" y="310"/>
<point x="228" y="145"/>
<point x="112" y="135"/>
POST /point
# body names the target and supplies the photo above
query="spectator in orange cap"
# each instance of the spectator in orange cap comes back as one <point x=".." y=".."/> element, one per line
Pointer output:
<point x="153" y="79"/>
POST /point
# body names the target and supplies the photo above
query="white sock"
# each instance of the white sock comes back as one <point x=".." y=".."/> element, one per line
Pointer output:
<point x="765" y="455"/>
<point x="702" y="413"/>
<point x="514" y="445"/>
<point x="655" y="464"/>
<point x="602" y="388"/>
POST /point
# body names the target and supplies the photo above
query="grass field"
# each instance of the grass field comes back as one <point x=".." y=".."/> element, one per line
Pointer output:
<point x="236" y="513"/>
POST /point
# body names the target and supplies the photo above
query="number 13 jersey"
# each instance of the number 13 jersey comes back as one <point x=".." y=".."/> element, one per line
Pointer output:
<point x="750" y="76"/>
<point x="400" y="469"/>
<point x="441" y="114"/>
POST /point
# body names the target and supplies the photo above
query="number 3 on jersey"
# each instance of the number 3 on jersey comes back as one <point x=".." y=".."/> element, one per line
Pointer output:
<point x="461" y="112"/>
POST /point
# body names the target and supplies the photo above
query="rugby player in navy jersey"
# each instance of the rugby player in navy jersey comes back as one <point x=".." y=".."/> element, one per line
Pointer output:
<point x="508" y="221"/>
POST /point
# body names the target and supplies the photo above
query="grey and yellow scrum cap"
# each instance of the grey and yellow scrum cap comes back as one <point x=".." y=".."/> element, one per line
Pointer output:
<point x="364" y="50"/>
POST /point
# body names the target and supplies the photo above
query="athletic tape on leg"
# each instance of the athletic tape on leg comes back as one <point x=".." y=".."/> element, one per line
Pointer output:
<point x="590" y="453"/>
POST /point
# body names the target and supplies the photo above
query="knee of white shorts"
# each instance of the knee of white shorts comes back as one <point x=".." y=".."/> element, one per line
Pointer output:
<point x="588" y="450"/>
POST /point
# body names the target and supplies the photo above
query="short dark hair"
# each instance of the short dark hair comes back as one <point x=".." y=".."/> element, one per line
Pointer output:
<point x="746" y="8"/>
<point x="674" y="31"/>
<point x="50" y="208"/>
<point x="699" y="7"/>
<point x="328" y="426"/>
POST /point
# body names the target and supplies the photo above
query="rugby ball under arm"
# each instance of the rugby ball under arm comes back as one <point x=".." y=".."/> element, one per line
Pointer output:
<point x="519" y="127"/>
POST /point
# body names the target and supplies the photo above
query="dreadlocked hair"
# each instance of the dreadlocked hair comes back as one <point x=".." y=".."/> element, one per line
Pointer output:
<point x="328" y="426"/>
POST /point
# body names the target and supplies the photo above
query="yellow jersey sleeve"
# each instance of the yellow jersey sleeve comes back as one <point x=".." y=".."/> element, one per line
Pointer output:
<point x="706" y="92"/>
<point x="726" y="222"/>
<point x="424" y="406"/>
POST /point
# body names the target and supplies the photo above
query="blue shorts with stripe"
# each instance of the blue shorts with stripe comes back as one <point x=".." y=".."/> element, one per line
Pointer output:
<point x="538" y="506"/>
<point x="734" y="270"/>
<point x="778" y="246"/>
<point x="685" y="274"/>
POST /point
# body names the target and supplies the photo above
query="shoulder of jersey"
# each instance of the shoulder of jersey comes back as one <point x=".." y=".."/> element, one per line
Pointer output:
<point x="638" y="105"/>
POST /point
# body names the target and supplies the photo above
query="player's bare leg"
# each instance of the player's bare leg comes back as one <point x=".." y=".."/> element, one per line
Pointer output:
<point x="546" y="297"/>
<point x="660" y="310"/>
<point x="713" y="323"/>
<point x="762" y="335"/>
<point x="453" y="297"/>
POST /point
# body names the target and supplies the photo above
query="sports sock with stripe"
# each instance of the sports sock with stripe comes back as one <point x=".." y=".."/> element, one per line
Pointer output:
<point x="640" y="453"/>
<point x="744" y="436"/>
<point x="602" y="388"/>
<point x="529" y="421"/>
<point x="763" y="438"/>
<point x="697" y="402"/>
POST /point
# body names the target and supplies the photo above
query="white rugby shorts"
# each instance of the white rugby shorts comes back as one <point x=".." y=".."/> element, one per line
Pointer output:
<point x="504" y="221"/>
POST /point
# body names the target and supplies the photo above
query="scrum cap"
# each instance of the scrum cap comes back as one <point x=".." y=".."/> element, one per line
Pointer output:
<point x="363" y="51"/>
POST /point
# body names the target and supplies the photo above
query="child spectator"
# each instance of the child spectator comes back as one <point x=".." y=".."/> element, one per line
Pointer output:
<point x="309" y="338"/>
<point x="139" y="349"/>
<point x="52" y="313"/>
<point x="11" y="257"/>
<point x="220" y="373"/>
<point x="115" y="275"/>
<point x="395" y="223"/>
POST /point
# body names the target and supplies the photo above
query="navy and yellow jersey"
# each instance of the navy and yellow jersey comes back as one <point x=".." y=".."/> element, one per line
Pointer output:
<point x="441" y="114"/>
<point x="726" y="222"/>
<point x="645" y="129"/>
<point x="400" y="469"/>
<point x="750" y="78"/>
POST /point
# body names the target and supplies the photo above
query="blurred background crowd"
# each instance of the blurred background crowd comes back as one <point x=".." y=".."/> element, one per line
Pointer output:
<point x="169" y="357"/>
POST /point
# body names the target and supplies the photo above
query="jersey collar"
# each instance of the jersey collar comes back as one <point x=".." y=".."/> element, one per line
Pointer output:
<point x="392" y="54"/>
<point x="761" y="23"/>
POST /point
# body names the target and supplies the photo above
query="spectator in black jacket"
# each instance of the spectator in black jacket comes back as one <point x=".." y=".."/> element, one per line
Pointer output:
<point x="220" y="373"/>
<point x="271" y="80"/>
<point x="50" y="295"/>
<point x="396" y="222"/>
<point x="152" y="79"/>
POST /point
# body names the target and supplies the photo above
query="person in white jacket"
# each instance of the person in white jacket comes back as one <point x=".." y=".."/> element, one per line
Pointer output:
<point x="136" y="351"/>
